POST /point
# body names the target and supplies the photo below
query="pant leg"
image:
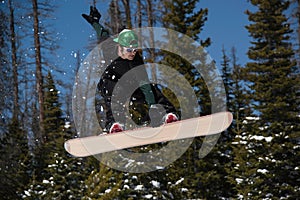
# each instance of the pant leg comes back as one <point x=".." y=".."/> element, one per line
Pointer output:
<point x="115" y="112"/>
<point x="161" y="99"/>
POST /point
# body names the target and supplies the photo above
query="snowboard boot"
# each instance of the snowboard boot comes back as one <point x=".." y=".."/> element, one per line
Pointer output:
<point x="169" y="118"/>
<point x="116" y="127"/>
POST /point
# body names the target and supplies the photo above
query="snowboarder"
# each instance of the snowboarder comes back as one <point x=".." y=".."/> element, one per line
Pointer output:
<point x="128" y="57"/>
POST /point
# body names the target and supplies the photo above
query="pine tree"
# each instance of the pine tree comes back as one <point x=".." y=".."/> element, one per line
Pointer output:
<point x="13" y="139"/>
<point x="235" y="153"/>
<point x="57" y="175"/>
<point x="227" y="77"/>
<point x="194" y="175"/>
<point x="295" y="22"/>
<point x="182" y="17"/>
<point x="103" y="183"/>
<point x="14" y="63"/>
<point x="272" y="77"/>
<point x="15" y="161"/>
<point x="236" y="104"/>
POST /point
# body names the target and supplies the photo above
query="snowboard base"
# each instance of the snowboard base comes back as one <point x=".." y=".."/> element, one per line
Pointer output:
<point x="189" y="128"/>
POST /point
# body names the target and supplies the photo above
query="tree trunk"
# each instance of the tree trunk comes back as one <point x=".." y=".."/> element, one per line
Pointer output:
<point x="127" y="13"/>
<point x="150" y="24"/>
<point x="139" y="13"/>
<point x="39" y="75"/>
<point x="115" y="23"/>
<point x="14" y="65"/>
<point x="298" y="30"/>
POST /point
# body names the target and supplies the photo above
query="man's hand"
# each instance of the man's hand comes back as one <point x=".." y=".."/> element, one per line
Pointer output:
<point x="93" y="17"/>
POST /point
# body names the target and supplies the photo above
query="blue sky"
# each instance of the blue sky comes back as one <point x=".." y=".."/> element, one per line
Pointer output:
<point x="225" y="26"/>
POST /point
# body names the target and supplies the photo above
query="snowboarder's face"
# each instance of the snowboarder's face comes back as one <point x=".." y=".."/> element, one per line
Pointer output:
<point x="127" y="53"/>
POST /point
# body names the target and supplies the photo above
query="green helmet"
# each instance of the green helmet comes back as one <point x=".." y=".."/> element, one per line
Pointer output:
<point x="127" y="38"/>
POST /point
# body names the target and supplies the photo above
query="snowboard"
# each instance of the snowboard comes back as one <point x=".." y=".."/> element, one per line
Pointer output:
<point x="188" y="128"/>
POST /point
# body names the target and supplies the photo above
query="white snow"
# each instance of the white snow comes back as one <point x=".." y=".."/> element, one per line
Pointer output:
<point x="53" y="165"/>
<point x="139" y="187"/>
<point x="46" y="181"/>
<point x="148" y="196"/>
<point x="257" y="137"/>
<point x="268" y="139"/>
<point x="107" y="191"/>
<point x="179" y="181"/>
<point x="252" y="118"/>
<point x="260" y="137"/>
<point x="184" y="190"/>
<point x="155" y="183"/>
<point x="240" y="142"/>
<point x="129" y="163"/>
<point x="27" y="193"/>
<point x="67" y="125"/>
<point x="263" y="171"/>
<point x="237" y="166"/>
<point x="239" y="180"/>
<point x="159" y="167"/>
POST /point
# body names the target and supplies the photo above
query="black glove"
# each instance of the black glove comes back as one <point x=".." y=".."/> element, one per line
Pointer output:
<point x="93" y="17"/>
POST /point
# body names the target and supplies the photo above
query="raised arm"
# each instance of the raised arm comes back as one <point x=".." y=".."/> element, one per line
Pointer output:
<point x="93" y="19"/>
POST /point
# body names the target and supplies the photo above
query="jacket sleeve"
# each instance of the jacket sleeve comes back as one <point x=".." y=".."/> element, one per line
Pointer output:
<point x="101" y="32"/>
<point x="144" y="83"/>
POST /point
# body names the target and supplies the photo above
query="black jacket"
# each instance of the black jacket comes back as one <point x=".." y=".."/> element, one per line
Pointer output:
<point x="107" y="87"/>
<point x="115" y="71"/>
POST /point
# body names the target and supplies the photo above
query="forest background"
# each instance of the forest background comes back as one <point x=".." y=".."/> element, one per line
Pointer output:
<point x="256" y="158"/>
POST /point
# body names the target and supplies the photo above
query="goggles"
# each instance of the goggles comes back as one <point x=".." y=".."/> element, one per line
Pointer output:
<point x="130" y="50"/>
